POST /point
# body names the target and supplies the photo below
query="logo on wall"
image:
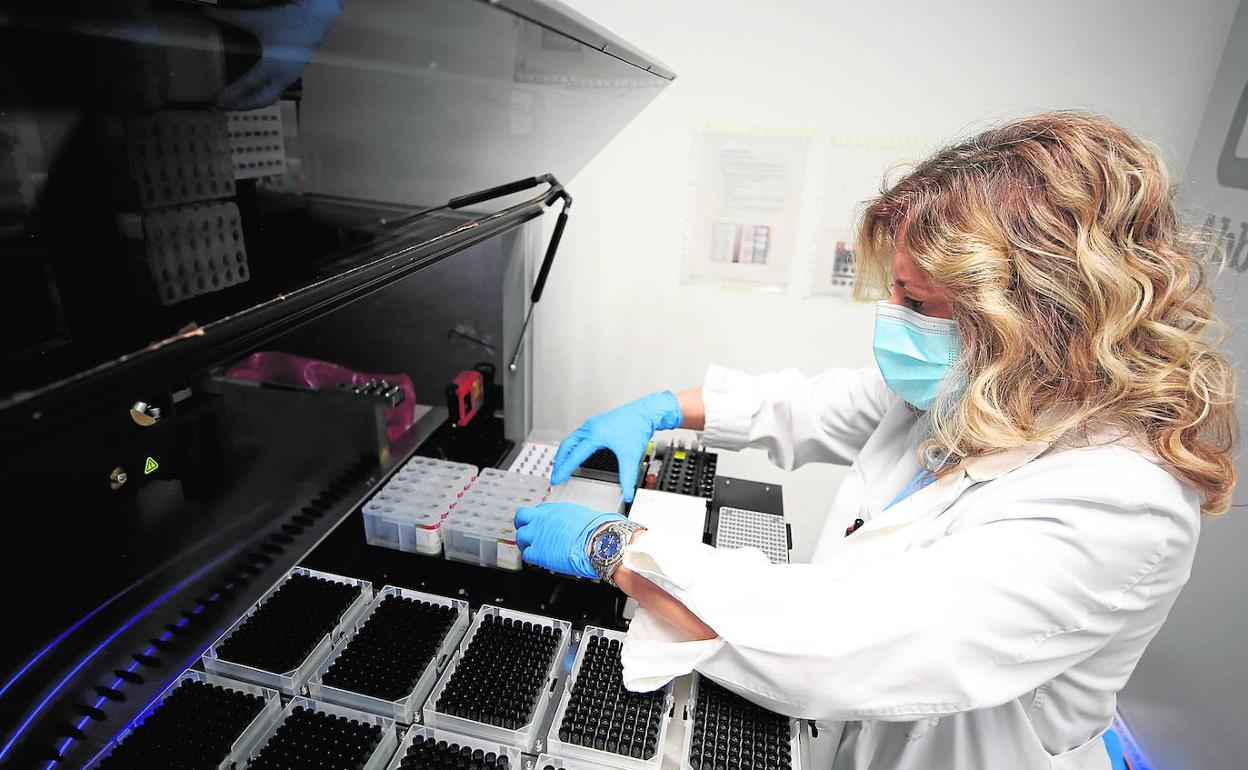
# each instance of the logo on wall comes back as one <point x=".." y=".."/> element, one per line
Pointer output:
<point x="1233" y="161"/>
<point x="1217" y="171"/>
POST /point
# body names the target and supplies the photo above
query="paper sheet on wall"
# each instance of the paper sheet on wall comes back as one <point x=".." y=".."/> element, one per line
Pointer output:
<point x="853" y="170"/>
<point x="746" y="199"/>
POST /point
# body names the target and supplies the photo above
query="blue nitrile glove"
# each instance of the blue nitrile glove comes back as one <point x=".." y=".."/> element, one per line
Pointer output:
<point x="625" y="430"/>
<point x="556" y="536"/>
<point x="289" y="35"/>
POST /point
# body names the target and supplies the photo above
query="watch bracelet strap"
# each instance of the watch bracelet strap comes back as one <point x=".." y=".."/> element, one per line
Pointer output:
<point x="627" y="530"/>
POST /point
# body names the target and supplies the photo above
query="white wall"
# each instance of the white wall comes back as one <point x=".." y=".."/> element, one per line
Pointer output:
<point x="1186" y="700"/>
<point x="616" y="322"/>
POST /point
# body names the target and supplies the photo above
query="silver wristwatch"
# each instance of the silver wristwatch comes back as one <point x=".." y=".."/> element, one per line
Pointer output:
<point x="606" y="549"/>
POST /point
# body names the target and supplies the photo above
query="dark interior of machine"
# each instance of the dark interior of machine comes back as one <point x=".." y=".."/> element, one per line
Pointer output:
<point x="160" y="494"/>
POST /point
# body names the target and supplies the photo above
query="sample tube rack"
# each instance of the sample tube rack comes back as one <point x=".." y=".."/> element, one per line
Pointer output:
<point x="414" y="634"/>
<point x="282" y="639"/>
<point x="500" y="683"/>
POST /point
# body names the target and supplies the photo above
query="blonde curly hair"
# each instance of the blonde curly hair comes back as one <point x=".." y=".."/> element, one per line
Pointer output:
<point x="1080" y="298"/>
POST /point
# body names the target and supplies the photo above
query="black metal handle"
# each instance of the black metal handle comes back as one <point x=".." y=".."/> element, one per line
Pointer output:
<point x="555" y="193"/>
<point x="549" y="259"/>
<point x="496" y="192"/>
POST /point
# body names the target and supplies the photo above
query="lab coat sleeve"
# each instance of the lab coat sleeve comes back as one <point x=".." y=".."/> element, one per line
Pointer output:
<point x="976" y="619"/>
<point x="797" y="419"/>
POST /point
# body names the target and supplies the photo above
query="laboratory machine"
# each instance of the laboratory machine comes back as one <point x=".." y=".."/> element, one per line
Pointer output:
<point x="266" y="386"/>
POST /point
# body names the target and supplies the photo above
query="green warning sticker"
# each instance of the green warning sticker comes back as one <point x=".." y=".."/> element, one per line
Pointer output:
<point x="150" y="465"/>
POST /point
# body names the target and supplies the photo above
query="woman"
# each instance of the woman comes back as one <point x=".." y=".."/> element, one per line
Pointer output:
<point x="1029" y="465"/>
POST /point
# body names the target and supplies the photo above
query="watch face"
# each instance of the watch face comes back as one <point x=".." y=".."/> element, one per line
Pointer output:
<point x="607" y="545"/>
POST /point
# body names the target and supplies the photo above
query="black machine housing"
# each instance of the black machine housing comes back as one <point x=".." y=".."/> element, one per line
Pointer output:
<point x="156" y="494"/>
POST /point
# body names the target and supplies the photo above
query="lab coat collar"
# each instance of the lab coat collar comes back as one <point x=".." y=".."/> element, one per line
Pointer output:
<point x="996" y="464"/>
<point x="925" y="503"/>
<point x="935" y="498"/>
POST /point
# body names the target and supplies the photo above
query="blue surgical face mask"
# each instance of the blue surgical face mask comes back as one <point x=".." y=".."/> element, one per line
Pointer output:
<point x="915" y="352"/>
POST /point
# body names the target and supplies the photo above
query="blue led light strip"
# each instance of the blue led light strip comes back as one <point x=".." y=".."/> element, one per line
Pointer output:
<point x="99" y="701"/>
<point x="1130" y="746"/>
<point x="39" y="655"/>
<point x="30" y="717"/>
<point x="135" y="719"/>
<point x="143" y="711"/>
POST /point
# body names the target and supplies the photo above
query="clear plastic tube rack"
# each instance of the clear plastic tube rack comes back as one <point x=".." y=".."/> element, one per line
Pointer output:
<point x="523" y="736"/>
<point x="407" y="708"/>
<point x="247" y="739"/>
<point x="558" y="747"/>
<point x="377" y="759"/>
<point x="289" y="682"/>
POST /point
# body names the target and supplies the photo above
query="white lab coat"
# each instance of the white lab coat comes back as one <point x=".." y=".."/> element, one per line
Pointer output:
<point x="987" y="621"/>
